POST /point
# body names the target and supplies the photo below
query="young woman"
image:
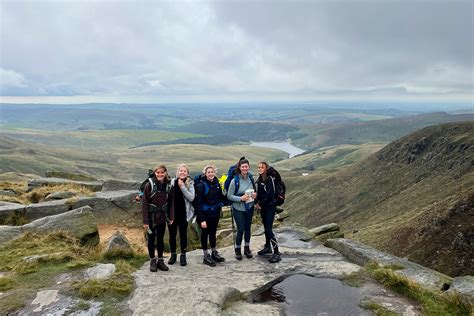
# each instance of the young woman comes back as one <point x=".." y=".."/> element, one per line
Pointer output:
<point x="154" y="210"/>
<point x="242" y="195"/>
<point x="181" y="211"/>
<point x="265" y="201"/>
<point x="209" y="200"/>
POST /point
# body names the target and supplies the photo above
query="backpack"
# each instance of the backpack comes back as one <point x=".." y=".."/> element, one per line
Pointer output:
<point x="231" y="174"/>
<point x="200" y="178"/>
<point x="141" y="190"/>
<point x="278" y="186"/>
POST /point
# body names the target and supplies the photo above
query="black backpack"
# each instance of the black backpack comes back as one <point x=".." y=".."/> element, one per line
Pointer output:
<point x="278" y="185"/>
<point x="201" y="178"/>
<point x="154" y="189"/>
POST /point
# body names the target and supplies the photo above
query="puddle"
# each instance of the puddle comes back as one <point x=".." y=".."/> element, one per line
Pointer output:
<point x="304" y="295"/>
<point x="291" y="240"/>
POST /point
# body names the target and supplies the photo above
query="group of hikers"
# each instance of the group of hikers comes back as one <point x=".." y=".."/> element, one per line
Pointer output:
<point x="175" y="202"/>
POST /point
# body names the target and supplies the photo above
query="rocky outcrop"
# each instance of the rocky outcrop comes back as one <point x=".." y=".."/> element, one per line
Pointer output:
<point x="7" y="209"/>
<point x="115" y="185"/>
<point x="464" y="286"/>
<point x="362" y="254"/>
<point x="111" y="206"/>
<point x="59" y="196"/>
<point x="42" y="209"/>
<point x="80" y="223"/>
<point x="325" y="232"/>
<point x="92" y="185"/>
<point x="230" y="287"/>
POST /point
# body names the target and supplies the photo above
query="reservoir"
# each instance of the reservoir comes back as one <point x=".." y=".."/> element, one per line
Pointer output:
<point x="283" y="146"/>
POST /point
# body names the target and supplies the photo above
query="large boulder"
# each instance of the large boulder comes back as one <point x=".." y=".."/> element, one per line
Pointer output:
<point x="8" y="209"/>
<point x="35" y="183"/>
<point x="115" y="185"/>
<point x="118" y="246"/>
<point x="111" y="207"/>
<point x="42" y="209"/>
<point x="324" y="229"/>
<point x="362" y="254"/>
<point x="80" y="223"/>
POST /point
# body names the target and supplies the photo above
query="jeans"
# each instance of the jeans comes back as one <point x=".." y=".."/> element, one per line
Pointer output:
<point x="244" y="222"/>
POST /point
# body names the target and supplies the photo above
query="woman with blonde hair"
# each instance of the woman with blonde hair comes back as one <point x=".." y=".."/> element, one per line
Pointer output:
<point x="154" y="211"/>
<point x="181" y="212"/>
<point x="208" y="202"/>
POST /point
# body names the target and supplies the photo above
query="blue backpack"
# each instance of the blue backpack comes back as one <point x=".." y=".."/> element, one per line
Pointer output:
<point x="200" y="178"/>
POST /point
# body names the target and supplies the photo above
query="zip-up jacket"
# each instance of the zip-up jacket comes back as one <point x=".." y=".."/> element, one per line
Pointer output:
<point x="210" y="204"/>
<point x="155" y="208"/>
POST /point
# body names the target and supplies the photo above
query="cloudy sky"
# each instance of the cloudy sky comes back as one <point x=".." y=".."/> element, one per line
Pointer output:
<point x="152" y="51"/>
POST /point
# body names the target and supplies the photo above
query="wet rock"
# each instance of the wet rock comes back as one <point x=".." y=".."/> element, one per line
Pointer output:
<point x="116" y="185"/>
<point x="118" y="245"/>
<point x="101" y="271"/>
<point x="59" y="195"/>
<point x="93" y="185"/>
<point x="224" y="289"/>
<point x="42" y="209"/>
<point x="361" y="254"/>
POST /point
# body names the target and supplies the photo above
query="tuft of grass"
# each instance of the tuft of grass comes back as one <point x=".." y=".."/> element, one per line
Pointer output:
<point x="355" y="279"/>
<point x="14" y="219"/>
<point x="80" y="305"/>
<point x="433" y="302"/>
<point x="6" y="283"/>
<point x="11" y="303"/>
<point x="379" y="310"/>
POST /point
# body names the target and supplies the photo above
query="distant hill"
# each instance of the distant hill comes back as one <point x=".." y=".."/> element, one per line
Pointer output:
<point x="382" y="131"/>
<point x="413" y="198"/>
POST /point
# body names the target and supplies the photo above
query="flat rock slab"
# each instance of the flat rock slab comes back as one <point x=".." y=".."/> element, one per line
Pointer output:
<point x="43" y="209"/>
<point x="361" y="254"/>
<point x="198" y="289"/>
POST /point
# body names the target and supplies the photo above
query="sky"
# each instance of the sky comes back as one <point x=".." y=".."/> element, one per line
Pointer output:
<point x="154" y="51"/>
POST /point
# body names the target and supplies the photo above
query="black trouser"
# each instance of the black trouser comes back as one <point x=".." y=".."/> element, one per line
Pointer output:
<point x="268" y="216"/>
<point x="209" y="232"/>
<point x="182" y="225"/>
<point x="157" y="234"/>
<point x="244" y="224"/>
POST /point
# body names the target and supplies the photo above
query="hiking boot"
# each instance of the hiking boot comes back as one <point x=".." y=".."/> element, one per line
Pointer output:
<point x="208" y="260"/>
<point x="247" y="252"/>
<point x="182" y="259"/>
<point x="161" y="265"/>
<point x="153" y="267"/>
<point x="275" y="258"/>
<point x="265" y="251"/>
<point x="238" y="254"/>
<point x="217" y="257"/>
<point x="172" y="259"/>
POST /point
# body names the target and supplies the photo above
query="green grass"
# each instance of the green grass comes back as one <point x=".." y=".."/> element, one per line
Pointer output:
<point x="433" y="303"/>
<point x="377" y="309"/>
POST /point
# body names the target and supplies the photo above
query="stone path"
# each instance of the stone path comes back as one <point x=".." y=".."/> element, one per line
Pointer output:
<point x="229" y="287"/>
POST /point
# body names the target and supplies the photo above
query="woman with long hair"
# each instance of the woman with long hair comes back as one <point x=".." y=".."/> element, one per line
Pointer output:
<point x="242" y="194"/>
<point x="181" y="212"/>
<point x="154" y="211"/>
<point x="266" y="202"/>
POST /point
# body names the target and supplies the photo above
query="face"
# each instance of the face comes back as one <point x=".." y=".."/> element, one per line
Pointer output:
<point x="182" y="173"/>
<point x="244" y="168"/>
<point x="160" y="174"/>
<point x="210" y="174"/>
<point x="261" y="168"/>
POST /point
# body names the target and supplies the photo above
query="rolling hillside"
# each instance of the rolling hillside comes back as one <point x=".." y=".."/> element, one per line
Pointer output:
<point x="413" y="198"/>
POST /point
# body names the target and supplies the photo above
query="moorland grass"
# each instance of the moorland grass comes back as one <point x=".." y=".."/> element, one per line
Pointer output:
<point x="432" y="302"/>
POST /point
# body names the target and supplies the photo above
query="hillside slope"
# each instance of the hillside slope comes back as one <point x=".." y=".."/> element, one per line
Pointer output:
<point x="413" y="198"/>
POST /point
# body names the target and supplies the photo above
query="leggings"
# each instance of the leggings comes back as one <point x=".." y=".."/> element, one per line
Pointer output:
<point x="158" y="234"/>
<point x="182" y="226"/>
<point x="209" y="232"/>
<point x="268" y="215"/>
<point x="244" y="222"/>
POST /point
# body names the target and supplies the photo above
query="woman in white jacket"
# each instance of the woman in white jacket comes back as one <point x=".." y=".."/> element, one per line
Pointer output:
<point x="181" y="212"/>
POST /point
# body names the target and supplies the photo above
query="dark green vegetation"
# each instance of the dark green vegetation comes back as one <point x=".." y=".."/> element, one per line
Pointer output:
<point x="60" y="255"/>
<point x="432" y="303"/>
<point x="414" y="198"/>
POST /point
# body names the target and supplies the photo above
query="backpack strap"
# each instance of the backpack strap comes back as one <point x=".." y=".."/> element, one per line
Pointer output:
<point x="236" y="184"/>
<point x="153" y="187"/>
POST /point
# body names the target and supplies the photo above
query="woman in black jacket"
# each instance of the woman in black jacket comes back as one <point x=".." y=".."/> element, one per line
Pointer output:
<point x="155" y="209"/>
<point x="266" y="203"/>
<point x="208" y="203"/>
